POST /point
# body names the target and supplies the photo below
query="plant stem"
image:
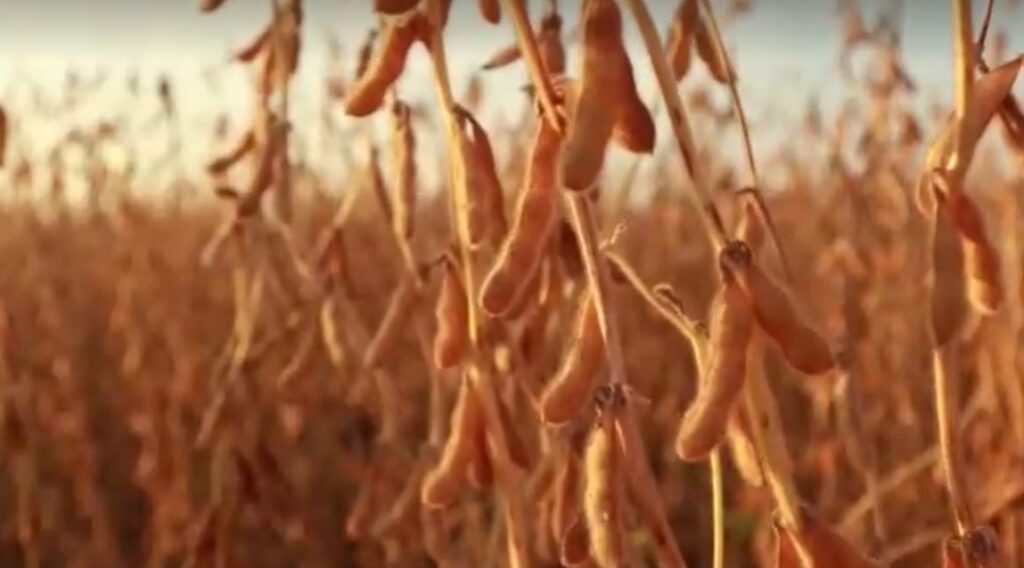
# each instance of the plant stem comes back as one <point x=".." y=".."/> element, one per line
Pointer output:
<point x="943" y="367"/>
<point x="641" y="478"/>
<point x="748" y="145"/>
<point x="943" y="364"/>
<point x="717" y="511"/>
<point x="683" y="324"/>
<point x="456" y="165"/>
<point x="963" y="50"/>
<point x="534" y="63"/>
<point x="979" y="46"/>
<point x="508" y="474"/>
<point x="762" y="408"/>
<point x="680" y="124"/>
<point x="766" y="431"/>
<point x="597" y="277"/>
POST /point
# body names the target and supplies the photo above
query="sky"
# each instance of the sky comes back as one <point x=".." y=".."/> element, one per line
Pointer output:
<point x="777" y="36"/>
<point x="785" y="50"/>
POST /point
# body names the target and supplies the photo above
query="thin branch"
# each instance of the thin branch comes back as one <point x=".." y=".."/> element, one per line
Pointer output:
<point x="979" y="46"/>
<point x="748" y="144"/>
<point x="680" y="124"/>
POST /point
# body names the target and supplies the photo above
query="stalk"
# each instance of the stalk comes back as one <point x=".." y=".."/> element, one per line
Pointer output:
<point x="943" y="368"/>
<point x="748" y="146"/>
<point x="508" y="475"/>
<point x="699" y="344"/>
<point x="643" y="481"/>
<point x="761" y="405"/>
<point x="680" y="123"/>
<point x="717" y="511"/>
<point x="943" y="365"/>
<point x="963" y="73"/>
<point x="766" y="431"/>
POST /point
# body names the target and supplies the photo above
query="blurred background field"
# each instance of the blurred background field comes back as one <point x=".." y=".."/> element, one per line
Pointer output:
<point x="115" y="335"/>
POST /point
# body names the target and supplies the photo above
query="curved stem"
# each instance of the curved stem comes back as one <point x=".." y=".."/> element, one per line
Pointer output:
<point x="748" y="146"/>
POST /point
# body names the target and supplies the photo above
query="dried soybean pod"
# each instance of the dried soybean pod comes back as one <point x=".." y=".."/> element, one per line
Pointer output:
<point x="481" y="468"/>
<point x="486" y="200"/>
<point x="244" y="146"/>
<point x="569" y="252"/>
<point x="820" y="544"/>
<point x="263" y="175"/>
<point x="503" y="57"/>
<point x="634" y="126"/>
<point x="718" y="68"/>
<point x="574" y="546"/>
<point x="536" y="214"/>
<point x="366" y="52"/>
<point x="3" y="135"/>
<point x="601" y="493"/>
<point x="516" y="448"/>
<point x="981" y="261"/>
<point x="566" y="506"/>
<point x="394" y="7"/>
<point x="490" y="10"/>
<point x="1012" y="120"/>
<point x="680" y="40"/>
<point x="393" y="45"/>
<point x="732" y="324"/>
<point x="442" y="484"/>
<point x="953" y="554"/>
<point x="207" y="6"/>
<point x="529" y="298"/>
<point x="330" y="335"/>
<point x="750" y="230"/>
<point x="403" y="154"/>
<point x="452" y="317"/>
<point x="949" y="305"/>
<point x="572" y="386"/>
<point x="988" y="95"/>
<point x="360" y="517"/>
<point x="803" y="348"/>
<point x="248" y="52"/>
<point x="593" y="115"/>
<point x="549" y="41"/>
<point x="380" y="190"/>
<point x="402" y="301"/>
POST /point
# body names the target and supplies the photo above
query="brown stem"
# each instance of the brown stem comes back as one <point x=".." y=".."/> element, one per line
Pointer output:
<point x="963" y="47"/>
<point x="680" y="123"/>
<point x="768" y="437"/>
<point x="534" y="63"/>
<point x="979" y="46"/>
<point x="944" y="369"/>
<point x="508" y="474"/>
<point x="643" y="480"/>
<point x="597" y="277"/>
<point x="759" y="204"/>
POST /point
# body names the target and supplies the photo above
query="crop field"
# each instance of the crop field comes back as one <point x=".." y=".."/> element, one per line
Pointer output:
<point x="609" y="328"/>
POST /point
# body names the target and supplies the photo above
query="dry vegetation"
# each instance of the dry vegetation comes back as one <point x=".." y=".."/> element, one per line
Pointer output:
<point x="521" y="369"/>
